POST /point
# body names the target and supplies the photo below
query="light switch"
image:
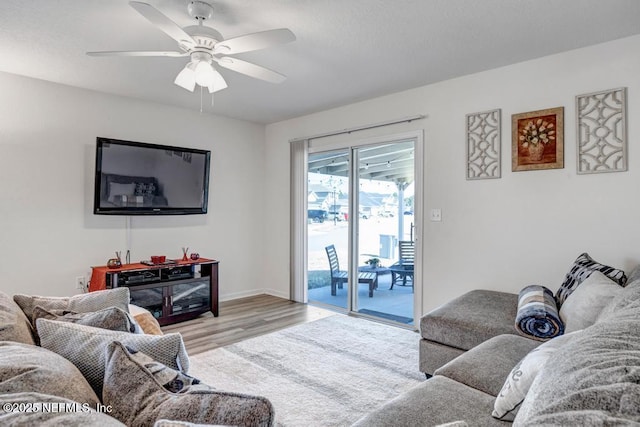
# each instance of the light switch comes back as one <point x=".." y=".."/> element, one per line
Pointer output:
<point x="436" y="214"/>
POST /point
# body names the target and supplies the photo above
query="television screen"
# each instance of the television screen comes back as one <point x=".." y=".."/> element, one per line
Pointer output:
<point x="134" y="178"/>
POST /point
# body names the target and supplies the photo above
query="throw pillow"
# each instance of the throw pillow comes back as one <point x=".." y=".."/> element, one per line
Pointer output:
<point x="171" y="379"/>
<point x="83" y="303"/>
<point x="60" y="412"/>
<point x="14" y="325"/>
<point x="116" y="189"/>
<point x="145" y="320"/>
<point x="581" y="309"/>
<point x="25" y="367"/>
<point x="581" y="269"/>
<point x="85" y="346"/>
<point x="111" y="318"/>
<point x="137" y="398"/>
<point x="519" y="381"/>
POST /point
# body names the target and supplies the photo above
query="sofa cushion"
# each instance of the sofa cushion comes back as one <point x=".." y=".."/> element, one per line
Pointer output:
<point x="581" y="309"/>
<point x="14" y="325"/>
<point x="137" y="398"/>
<point x="485" y="366"/>
<point x="471" y="319"/>
<point x="59" y="412"/>
<point x="27" y="368"/>
<point x="436" y="401"/>
<point x="85" y="346"/>
<point x="600" y="372"/>
<point x="434" y="355"/>
<point x="519" y="380"/>
<point x="83" y="303"/>
<point x="581" y="269"/>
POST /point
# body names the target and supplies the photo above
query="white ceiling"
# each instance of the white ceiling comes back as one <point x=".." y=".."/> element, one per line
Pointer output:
<point x="346" y="50"/>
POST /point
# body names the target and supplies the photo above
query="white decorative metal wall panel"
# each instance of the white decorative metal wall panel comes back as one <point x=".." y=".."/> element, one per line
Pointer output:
<point x="602" y="131"/>
<point x="483" y="145"/>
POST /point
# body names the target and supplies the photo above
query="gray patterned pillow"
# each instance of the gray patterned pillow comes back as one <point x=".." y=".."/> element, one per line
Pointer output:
<point x="85" y="346"/>
<point x="77" y="418"/>
<point x="25" y="367"/>
<point x="14" y="325"/>
<point x="581" y="269"/>
<point x="83" y="303"/>
<point x="111" y="318"/>
<point x="137" y="398"/>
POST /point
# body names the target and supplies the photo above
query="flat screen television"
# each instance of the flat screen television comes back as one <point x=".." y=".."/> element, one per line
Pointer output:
<point x="135" y="178"/>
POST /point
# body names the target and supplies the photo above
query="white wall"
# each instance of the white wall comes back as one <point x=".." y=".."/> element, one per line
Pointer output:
<point x="527" y="227"/>
<point x="47" y="159"/>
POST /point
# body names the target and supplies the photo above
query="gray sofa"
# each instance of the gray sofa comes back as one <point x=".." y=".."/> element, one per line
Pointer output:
<point x="470" y="346"/>
<point x="94" y="367"/>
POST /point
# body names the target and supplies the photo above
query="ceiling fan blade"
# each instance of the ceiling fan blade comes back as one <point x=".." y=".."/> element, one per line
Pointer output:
<point x="254" y="41"/>
<point x="161" y="21"/>
<point x="137" y="53"/>
<point x="251" y="70"/>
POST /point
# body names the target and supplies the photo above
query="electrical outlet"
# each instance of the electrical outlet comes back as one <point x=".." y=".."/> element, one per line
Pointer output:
<point x="80" y="283"/>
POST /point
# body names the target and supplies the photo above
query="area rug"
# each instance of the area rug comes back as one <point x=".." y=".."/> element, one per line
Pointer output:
<point x="329" y="372"/>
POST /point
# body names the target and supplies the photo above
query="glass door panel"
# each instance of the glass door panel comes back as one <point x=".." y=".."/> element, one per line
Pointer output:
<point x="385" y="224"/>
<point x="150" y="298"/>
<point x="328" y="228"/>
<point x="194" y="295"/>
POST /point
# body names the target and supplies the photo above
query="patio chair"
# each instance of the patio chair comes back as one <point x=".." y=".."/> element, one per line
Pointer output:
<point x="339" y="277"/>
<point x="404" y="267"/>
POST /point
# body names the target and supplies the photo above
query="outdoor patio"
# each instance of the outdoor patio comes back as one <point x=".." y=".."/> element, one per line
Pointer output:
<point x="395" y="304"/>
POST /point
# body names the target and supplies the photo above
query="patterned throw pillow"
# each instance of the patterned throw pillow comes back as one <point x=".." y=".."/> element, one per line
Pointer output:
<point x="137" y="398"/>
<point x="519" y="381"/>
<point x="581" y="269"/>
<point x="86" y="346"/>
<point x="83" y="303"/>
<point x="112" y="318"/>
<point x="143" y="189"/>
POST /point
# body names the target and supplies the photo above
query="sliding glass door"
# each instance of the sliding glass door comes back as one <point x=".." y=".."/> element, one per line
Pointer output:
<point x="328" y="228"/>
<point x="358" y="219"/>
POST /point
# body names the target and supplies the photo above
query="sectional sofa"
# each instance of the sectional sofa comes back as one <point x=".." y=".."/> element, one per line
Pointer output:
<point x="587" y="376"/>
<point x="94" y="365"/>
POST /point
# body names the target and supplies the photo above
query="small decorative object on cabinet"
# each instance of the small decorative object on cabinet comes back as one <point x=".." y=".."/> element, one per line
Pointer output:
<point x="537" y="140"/>
<point x="172" y="293"/>
<point x="602" y="131"/>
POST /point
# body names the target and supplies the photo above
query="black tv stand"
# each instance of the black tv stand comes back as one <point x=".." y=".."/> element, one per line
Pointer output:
<point x="172" y="293"/>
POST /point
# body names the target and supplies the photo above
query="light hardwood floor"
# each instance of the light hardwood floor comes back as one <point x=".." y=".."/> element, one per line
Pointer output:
<point x="241" y="319"/>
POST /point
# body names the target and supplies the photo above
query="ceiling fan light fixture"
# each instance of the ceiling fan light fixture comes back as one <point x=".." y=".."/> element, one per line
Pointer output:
<point x="204" y="73"/>
<point x="218" y="82"/>
<point x="187" y="77"/>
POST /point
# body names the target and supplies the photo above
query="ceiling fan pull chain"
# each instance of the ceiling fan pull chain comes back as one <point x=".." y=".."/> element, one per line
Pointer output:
<point x="212" y="99"/>
<point x="201" y="99"/>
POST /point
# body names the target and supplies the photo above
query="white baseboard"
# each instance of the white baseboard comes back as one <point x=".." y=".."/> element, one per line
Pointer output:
<point x="253" y="292"/>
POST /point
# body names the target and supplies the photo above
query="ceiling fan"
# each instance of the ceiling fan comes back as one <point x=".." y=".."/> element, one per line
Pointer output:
<point x="204" y="45"/>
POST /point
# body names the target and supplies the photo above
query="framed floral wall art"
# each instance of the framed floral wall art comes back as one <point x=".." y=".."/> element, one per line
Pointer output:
<point x="537" y="140"/>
